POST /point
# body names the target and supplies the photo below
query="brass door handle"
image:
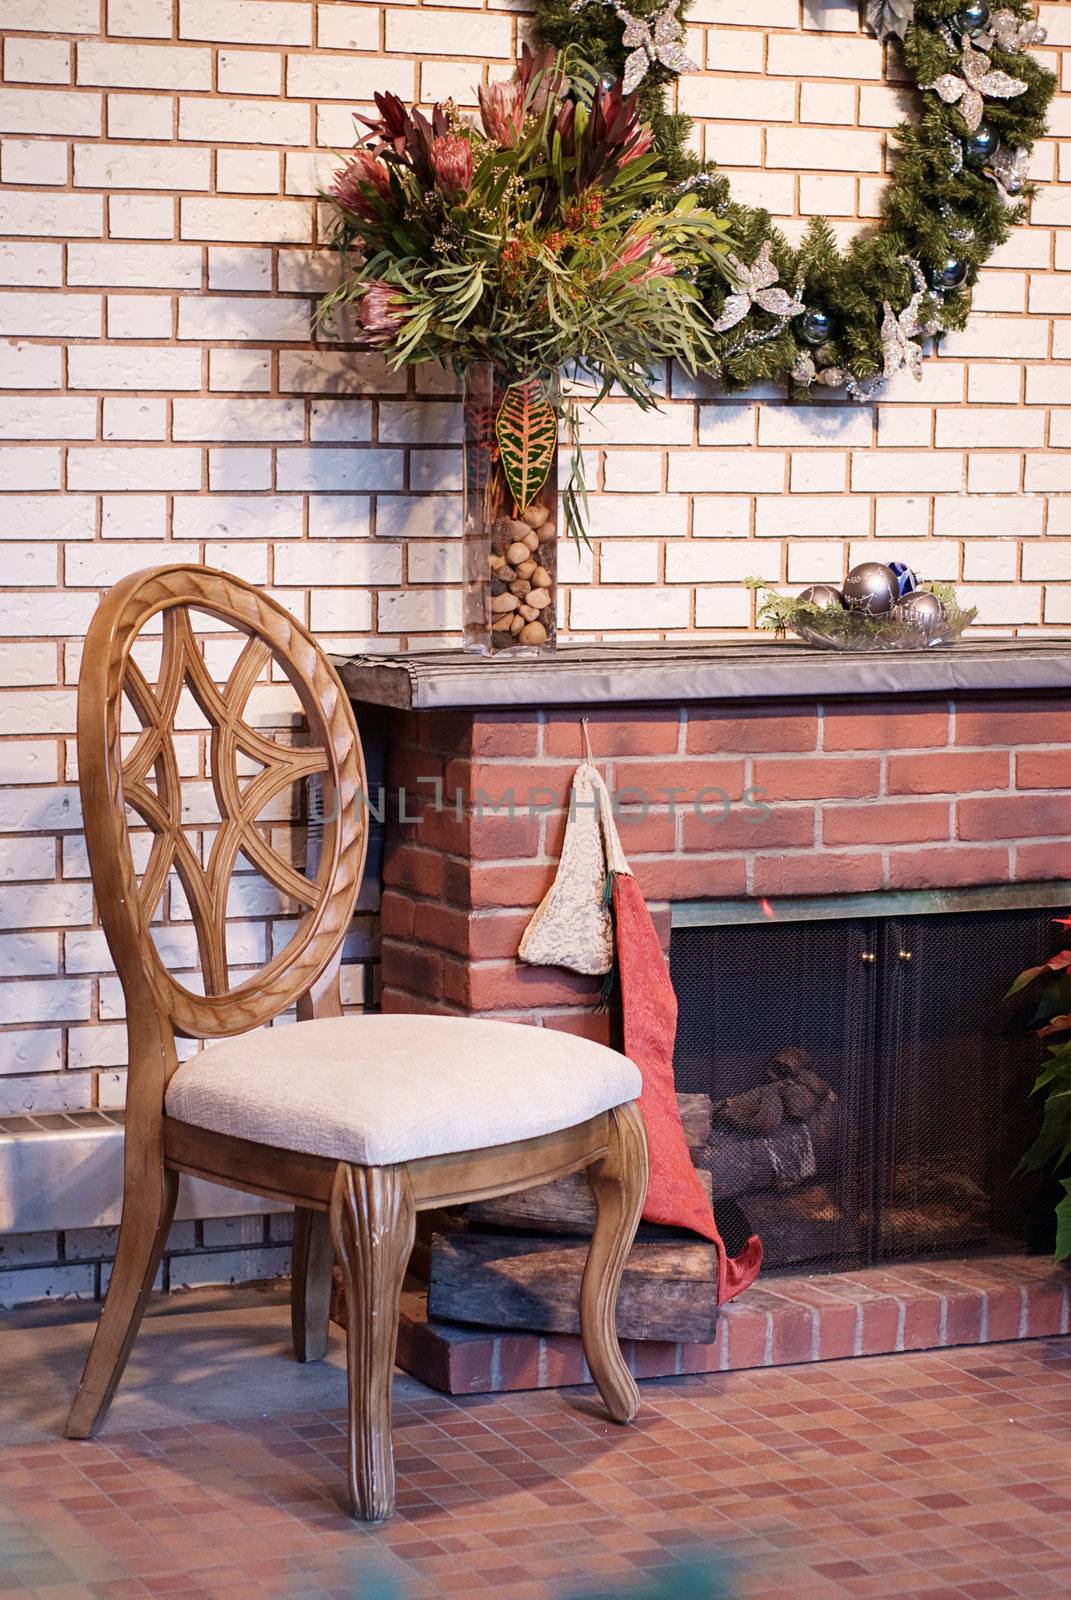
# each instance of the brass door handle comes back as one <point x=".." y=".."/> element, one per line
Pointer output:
<point x="906" y="955"/>
<point x="867" y="955"/>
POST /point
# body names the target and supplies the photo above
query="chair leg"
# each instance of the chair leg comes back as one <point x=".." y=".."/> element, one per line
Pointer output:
<point x="619" y="1184"/>
<point x="310" y="1295"/>
<point x="147" y="1213"/>
<point x="373" y="1222"/>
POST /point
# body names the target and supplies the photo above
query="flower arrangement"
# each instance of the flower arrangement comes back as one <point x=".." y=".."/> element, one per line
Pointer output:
<point x="546" y="235"/>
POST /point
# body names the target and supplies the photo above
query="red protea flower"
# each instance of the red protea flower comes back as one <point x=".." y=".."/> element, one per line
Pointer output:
<point x="381" y="312"/>
<point x="451" y="161"/>
<point x="361" y="172"/>
<point x="502" y="112"/>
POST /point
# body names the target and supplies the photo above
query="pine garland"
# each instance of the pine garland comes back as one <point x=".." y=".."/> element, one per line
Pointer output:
<point x="935" y="207"/>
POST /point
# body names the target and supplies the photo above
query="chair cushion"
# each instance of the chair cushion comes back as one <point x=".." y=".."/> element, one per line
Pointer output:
<point x="379" y="1089"/>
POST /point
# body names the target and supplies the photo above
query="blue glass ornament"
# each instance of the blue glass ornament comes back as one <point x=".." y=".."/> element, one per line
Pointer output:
<point x="905" y="578"/>
<point x="949" y="274"/>
<point x="980" y="148"/>
<point x="815" y="326"/>
<point x="972" y="18"/>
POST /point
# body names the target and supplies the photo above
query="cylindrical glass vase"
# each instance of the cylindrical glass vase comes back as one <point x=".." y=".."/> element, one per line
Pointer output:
<point x="511" y="511"/>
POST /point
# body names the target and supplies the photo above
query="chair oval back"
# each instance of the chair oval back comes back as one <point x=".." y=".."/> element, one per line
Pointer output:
<point x="110" y="784"/>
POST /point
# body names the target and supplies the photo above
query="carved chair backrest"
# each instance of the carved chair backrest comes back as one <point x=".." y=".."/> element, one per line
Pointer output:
<point x="146" y="781"/>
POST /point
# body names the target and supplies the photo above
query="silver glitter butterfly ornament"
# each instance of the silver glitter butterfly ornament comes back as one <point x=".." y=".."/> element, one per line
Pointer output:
<point x="900" y="332"/>
<point x="1012" y="34"/>
<point x="978" y="82"/>
<point x="658" y="42"/>
<point x="1009" y="170"/>
<point x="755" y="287"/>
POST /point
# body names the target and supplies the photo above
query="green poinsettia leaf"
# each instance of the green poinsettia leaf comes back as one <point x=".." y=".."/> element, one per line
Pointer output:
<point x="1062" y="1247"/>
<point x="527" y="431"/>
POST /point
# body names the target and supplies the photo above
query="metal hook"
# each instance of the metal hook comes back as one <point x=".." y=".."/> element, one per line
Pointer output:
<point x="587" y="742"/>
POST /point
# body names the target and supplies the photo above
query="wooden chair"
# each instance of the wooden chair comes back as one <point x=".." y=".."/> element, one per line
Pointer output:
<point x="357" y="1122"/>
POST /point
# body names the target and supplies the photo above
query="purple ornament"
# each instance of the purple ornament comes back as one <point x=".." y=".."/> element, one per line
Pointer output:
<point x="871" y="588"/>
<point x="824" y="596"/>
<point x="921" y="610"/>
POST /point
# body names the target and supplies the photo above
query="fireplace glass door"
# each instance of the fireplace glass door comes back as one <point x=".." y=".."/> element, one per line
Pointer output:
<point x="871" y="1084"/>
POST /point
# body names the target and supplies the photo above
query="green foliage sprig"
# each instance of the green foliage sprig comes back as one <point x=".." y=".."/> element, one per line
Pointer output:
<point x="1051" y="1150"/>
<point x="934" y="208"/>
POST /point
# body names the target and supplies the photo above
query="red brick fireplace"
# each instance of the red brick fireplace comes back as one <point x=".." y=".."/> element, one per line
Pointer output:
<point x="806" y="775"/>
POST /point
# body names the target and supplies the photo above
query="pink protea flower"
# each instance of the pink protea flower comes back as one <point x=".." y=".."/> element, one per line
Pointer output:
<point x="659" y="266"/>
<point x="639" y="145"/>
<point x="502" y="112"/>
<point x="381" y="312"/>
<point x="451" y="160"/>
<point x="635" y="250"/>
<point x="361" y="170"/>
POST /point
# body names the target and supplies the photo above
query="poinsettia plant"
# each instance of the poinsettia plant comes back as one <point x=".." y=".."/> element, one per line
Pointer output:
<point x="545" y="235"/>
<point x="1051" y="1150"/>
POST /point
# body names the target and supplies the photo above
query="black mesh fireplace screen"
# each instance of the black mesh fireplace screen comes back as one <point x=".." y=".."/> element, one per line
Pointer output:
<point x="871" y="1086"/>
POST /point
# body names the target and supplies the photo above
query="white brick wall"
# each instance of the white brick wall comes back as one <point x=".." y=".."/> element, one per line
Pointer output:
<point x="161" y="397"/>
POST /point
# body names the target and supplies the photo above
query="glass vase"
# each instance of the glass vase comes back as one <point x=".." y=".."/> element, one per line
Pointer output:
<point x="510" y="511"/>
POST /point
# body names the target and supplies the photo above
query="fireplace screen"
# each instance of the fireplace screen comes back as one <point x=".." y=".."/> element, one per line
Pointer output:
<point x="870" y="1084"/>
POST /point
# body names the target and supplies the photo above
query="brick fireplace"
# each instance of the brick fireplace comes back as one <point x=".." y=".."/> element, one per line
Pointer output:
<point x="805" y="776"/>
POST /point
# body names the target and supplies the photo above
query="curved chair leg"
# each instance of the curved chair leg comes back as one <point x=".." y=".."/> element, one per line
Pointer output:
<point x="373" y="1222"/>
<point x="310" y="1295"/>
<point x="147" y="1214"/>
<point x="619" y="1184"/>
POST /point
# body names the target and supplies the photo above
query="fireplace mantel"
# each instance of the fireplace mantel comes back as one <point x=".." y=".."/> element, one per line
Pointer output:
<point x="616" y="674"/>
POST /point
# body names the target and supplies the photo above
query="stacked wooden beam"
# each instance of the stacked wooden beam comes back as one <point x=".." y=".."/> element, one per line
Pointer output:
<point x="516" y="1262"/>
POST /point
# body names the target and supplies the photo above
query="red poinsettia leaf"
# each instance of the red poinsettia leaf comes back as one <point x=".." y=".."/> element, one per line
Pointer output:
<point x="1056" y="963"/>
<point x="1057" y="1025"/>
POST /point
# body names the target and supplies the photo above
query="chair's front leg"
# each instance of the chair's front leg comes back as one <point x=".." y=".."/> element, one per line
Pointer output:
<point x="373" y="1222"/>
<point x="619" y="1184"/>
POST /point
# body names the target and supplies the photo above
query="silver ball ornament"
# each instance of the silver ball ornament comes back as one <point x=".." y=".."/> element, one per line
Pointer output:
<point x="871" y="588"/>
<point x="972" y="18"/>
<point x="921" y="610"/>
<point x="824" y="596"/>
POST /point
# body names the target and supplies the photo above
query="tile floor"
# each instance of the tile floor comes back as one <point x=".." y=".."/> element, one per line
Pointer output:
<point x="943" y="1476"/>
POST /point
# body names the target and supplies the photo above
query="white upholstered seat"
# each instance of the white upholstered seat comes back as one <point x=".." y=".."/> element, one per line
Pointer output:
<point x="375" y="1090"/>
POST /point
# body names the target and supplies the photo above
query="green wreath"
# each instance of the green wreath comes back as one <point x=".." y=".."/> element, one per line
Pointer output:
<point x="812" y="314"/>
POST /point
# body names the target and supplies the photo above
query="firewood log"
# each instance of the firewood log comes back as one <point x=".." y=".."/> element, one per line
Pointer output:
<point x="669" y="1291"/>
<point x="566" y="1206"/>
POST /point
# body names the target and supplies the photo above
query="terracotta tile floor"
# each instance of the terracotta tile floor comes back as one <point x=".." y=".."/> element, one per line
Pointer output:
<point x="942" y="1476"/>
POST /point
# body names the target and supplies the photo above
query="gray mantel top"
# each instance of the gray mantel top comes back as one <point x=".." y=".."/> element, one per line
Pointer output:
<point x="620" y="673"/>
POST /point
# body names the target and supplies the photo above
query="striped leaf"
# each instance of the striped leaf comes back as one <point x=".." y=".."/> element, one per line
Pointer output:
<point x="527" y="433"/>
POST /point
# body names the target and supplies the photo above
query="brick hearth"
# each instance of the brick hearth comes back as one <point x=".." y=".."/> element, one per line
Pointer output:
<point x="786" y="1319"/>
<point x="892" y="792"/>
